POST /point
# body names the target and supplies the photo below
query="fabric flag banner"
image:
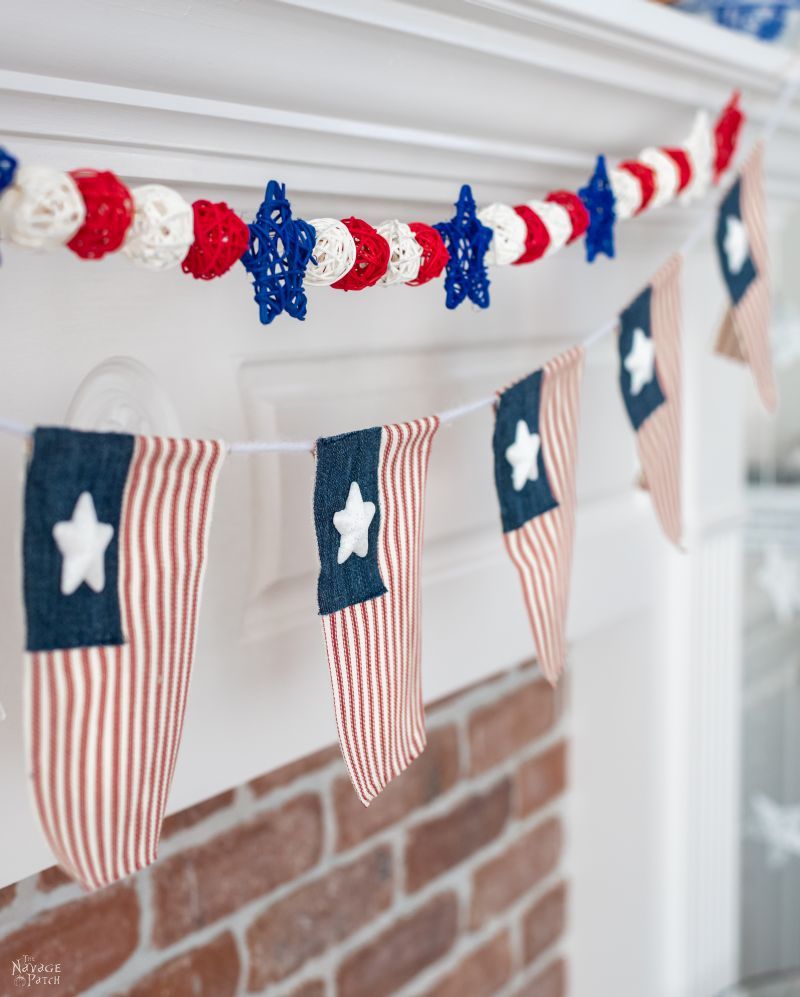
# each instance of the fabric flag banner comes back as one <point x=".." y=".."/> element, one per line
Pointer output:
<point x="741" y="240"/>
<point x="650" y="379"/>
<point x="369" y="499"/>
<point x="114" y="551"/>
<point x="535" y="453"/>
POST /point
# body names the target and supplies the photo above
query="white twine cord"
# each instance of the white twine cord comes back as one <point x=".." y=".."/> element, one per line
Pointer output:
<point x="781" y="106"/>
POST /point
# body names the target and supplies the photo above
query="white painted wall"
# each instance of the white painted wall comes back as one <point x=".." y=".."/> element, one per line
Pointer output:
<point x="383" y="109"/>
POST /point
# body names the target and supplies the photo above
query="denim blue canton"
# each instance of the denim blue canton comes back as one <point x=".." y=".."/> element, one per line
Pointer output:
<point x="521" y="401"/>
<point x="341" y="460"/>
<point x="66" y="463"/>
<point x="737" y="282"/>
<point x="637" y="316"/>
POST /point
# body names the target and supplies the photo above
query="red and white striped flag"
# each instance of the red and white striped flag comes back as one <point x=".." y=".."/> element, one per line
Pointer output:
<point x="369" y="501"/>
<point x="535" y="454"/>
<point x="742" y="250"/>
<point x="116" y="530"/>
<point x="650" y="379"/>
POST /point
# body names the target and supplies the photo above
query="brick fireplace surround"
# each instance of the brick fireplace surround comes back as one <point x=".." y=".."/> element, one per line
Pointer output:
<point x="450" y="884"/>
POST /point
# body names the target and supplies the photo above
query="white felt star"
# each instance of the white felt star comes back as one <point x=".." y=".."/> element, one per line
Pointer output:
<point x="640" y="361"/>
<point x="352" y="523"/>
<point x="779" y="577"/>
<point x="735" y="243"/>
<point x="83" y="542"/>
<point x="523" y="456"/>
<point x="777" y="826"/>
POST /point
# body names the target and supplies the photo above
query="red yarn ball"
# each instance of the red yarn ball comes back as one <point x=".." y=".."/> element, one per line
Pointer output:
<point x="576" y="210"/>
<point x="372" y="257"/>
<point x="109" y="213"/>
<point x="435" y="256"/>
<point x="537" y="238"/>
<point x="726" y="135"/>
<point x="220" y="238"/>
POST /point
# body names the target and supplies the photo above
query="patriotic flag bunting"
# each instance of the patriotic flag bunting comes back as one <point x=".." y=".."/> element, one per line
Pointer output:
<point x="535" y="453"/>
<point x="650" y="379"/>
<point x="369" y="499"/>
<point x="741" y="240"/>
<point x="114" y="552"/>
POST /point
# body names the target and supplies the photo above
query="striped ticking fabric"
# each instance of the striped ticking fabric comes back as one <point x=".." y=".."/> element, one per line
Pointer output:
<point x="744" y="259"/>
<point x="535" y="454"/>
<point x="652" y="394"/>
<point x="107" y="687"/>
<point x="369" y="501"/>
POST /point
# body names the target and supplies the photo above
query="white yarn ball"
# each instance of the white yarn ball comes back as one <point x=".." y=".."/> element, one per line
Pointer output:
<point x="627" y="193"/>
<point x="667" y="177"/>
<point x="405" y="253"/>
<point x="42" y="209"/>
<point x="508" y="234"/>
<point x="162" y="230"/>
<point x="557" y="222"/>
<point x="699" y="147"/>
<point x="334" y="252"/>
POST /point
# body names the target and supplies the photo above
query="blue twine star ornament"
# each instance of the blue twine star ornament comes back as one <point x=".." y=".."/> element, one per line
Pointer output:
<point x="277" y="256"/>
<point x="599" y="199"/>
<point x="467" y="241"/>
<point x="8" y="167"/>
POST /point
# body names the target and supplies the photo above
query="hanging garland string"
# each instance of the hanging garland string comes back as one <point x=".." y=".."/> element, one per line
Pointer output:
<point x="94" y="214"/>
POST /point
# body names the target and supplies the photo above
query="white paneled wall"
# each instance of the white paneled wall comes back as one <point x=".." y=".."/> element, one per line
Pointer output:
<point x="382" y="109"/>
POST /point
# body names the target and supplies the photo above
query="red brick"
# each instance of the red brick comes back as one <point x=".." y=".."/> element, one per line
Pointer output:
<point x="317" y="916"/>
<point x="396" y="956"/>
<point x="8" y="895"/>
<point x="544" y="922"/>
<point x="287" y="774"/>
<point x="436" y="845"/>
<point x="480" y="974"/>
<point x="211" y="970"/>
<point x="193" y="815"/>
<point x="500" y="730"/>
<point x="50" y="879"/>
<point x="552" y="982"/>
<point x="202" y="884"/>
<point x="90" y="938"/>
<point x="504" y="879"/>
<point x="432" y="774"/>
<point x="316" y="988"/>
<point x="540" y="779"/>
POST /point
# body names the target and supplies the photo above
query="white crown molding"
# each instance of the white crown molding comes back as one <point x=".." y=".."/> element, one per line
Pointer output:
<point x="621" y="70"/>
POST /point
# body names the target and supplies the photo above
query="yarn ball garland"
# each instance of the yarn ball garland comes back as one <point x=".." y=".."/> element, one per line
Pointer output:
<point x="278" y="252"/>
<point x="537" y="238"/>
<point x="41" y="210"/>
<point x="220" y="239"/>
<point x="575" y="208"/>
<point x="109" y="213"/>
<point x="467" y="240"/>
<point x="598" y="197"/>
<point x="8" y="167"/>
<point x="334" y="252"/>
<point x="508" y="234"/>
<point x="162" y="230"/>
<point x="372" y="257"/>
<point x="434" y="253"/>
<point x="726" y="134"/>
<point x="405" y="253"/>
